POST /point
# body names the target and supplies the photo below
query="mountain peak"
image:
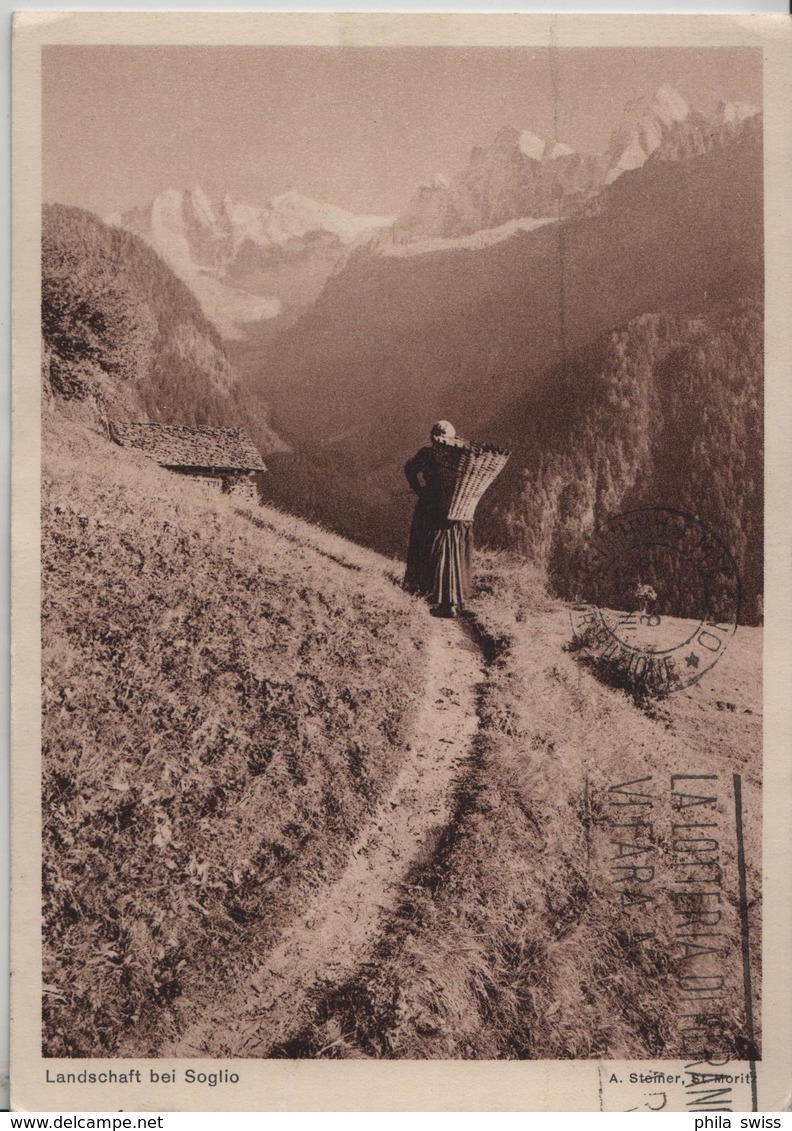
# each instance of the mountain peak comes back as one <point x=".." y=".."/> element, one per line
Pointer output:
<point x="510" y="138"/>
<point x="292" y="199"/>
<point x="647" y="123"/>
<point x="669" y="105"/>
<point x="557" y="149"/>
<point x="531" y="145"/>
<point x="200" y="206"/>
<point x="228" y="254"/>
<point x="732" y="113"/>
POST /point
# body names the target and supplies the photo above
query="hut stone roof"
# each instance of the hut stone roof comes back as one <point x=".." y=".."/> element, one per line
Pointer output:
<point x="172" y="445"/>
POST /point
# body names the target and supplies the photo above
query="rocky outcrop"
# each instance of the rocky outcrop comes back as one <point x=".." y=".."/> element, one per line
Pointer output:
<point x="519" y="175"/>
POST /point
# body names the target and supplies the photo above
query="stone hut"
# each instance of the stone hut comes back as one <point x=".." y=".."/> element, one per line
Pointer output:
<point x="221" y="459"/>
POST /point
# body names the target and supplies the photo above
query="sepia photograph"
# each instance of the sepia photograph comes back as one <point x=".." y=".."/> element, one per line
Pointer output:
<point x="402" y="561"/>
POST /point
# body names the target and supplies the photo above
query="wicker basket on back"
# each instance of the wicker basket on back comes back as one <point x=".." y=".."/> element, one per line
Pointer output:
<point x="467" y="469"/>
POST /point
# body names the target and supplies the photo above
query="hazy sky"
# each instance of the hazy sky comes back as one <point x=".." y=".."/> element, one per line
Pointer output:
<point x="358" y="127"/>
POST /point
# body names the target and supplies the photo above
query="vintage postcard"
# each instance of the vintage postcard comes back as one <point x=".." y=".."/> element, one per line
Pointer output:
<point x="402" y="596"/>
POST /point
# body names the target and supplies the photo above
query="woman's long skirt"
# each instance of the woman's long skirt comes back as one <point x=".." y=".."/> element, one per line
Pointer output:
<point x="439" y="558"/>
<point x="452" y="550"/>
<point x="426" y="521"/>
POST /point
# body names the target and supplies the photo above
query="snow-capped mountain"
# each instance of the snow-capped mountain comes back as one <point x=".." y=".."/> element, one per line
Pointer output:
<point x="244" y="263"/>
<point x="646" y="125"/>
<point x="293" y="217"/>
<point x="521" y="176"/>
<point x="453" y="322"/>
<point x="666" y="129"/>
<point x="250" y="264"/>
<point x="733" y="113"/>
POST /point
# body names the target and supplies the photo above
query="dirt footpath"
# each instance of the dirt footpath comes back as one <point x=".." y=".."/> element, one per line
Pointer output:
<point x="339" y="930"/>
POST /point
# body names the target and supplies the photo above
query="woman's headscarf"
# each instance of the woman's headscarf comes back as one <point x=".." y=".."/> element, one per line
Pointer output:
<point x="443" y="430"/>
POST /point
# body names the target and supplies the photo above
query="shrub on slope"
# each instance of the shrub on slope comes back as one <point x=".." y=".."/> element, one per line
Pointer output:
<point x="222" y="708"/>
<point x="123" y="333"/>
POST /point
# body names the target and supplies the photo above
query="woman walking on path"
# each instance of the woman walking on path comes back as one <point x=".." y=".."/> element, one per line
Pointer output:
<point x="440" y="550"/>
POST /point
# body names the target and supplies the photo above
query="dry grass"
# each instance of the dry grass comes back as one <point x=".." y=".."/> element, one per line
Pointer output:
<point x="227" y="695"/>
<point x="223" y="707"/>
<point x="511" y="940"/>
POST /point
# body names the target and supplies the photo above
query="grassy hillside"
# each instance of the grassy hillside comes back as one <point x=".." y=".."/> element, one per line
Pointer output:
<point x="321" y="487"/>
<point x="226" y="696"/>
<point x="230" y="704"/>
<point x="125" y="339"/>
<point x="513" y="940"/>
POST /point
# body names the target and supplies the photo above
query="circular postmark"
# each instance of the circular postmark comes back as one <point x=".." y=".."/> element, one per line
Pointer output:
<point x="662" y="596"/>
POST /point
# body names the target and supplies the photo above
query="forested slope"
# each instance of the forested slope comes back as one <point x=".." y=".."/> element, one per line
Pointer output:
<point x="124" y="338"/>
<point x="666" y="411"/>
